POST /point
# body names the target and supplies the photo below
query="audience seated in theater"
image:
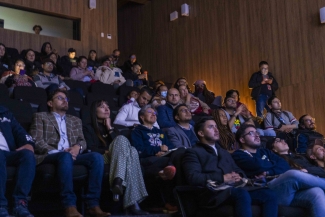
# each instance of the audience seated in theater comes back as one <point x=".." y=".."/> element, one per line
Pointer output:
<point x="93" y="61"/>
<point x="129" y="63"/>
<point x="4" y="60"/>
<point x="108" y="74"/>
<point x="135" y="75"/>
<point x="298" y="162"/>
<point x="33" y="67"/>
<point x="293" y="187"/>
<point x="81" y="73"/>
<point x="201" y="91"/>
<point x="277" y="119"/>
<point x="17" y="77"/>
<point x="315" y="153"/>
<point x="182" y="81"/>
<point x="128" y="114"/>
<point x="69" y="61"/>
<point x="58" y="69"/>
<point x="47" y="79"/>
<point x="116" y="55"/>
<point x="165" y="118"/>
<point x="182" y="134"/>
<point x="16" y="149"/>
<point x="264" y="86"/>
<point x="306" y="133"/>
<point x="227" y="139"/>
<point x="160" y="97"/>
<point x="59" y="140"/>
<point x="152" y="145"/>
<point x="123" y="159"/>
<point x="46" y="50"/>
<point x="207" y="161"/>
<point x="238" y="116"/>
<point x="196" y="106"/>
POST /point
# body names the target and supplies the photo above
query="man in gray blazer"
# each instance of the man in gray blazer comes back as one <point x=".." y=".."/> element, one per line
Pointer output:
<point x="59" y="140"/>
<point x="182" y="134"/>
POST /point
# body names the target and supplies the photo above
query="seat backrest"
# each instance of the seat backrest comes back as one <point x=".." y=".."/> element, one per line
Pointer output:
<point x="35" y="95"/>
<point x="4" y="92"/>
<point x="85" y="115"/>
<point x="101" y="88"/>
<point x="84" y="86"/>
<point x="75" y="99"/>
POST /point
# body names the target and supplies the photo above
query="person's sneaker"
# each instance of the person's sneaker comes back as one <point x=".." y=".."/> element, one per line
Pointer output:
<point x="4" y="212"/>
<point x="21" y="210"/>
<point x="168" y="173"/>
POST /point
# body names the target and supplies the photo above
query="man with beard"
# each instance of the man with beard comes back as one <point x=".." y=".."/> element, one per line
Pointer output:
<point x="208" y="161"/>
<point x="128" y="114"/>
<point x="316" y="153"/>
<point x="306" y="133"/>
<point x="59" y="140"/>
<point x="293" y="187"/>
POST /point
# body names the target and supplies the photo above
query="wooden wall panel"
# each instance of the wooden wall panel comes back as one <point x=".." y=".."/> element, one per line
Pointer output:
<point x="93" y="22"/>
<point x="222" y="42"/>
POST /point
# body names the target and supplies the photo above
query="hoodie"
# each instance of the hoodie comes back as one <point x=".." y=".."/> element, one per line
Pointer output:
<point x="148" y="141"/>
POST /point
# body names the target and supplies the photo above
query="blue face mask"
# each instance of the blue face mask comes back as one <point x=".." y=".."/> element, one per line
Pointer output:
<point x="163" y="94"/>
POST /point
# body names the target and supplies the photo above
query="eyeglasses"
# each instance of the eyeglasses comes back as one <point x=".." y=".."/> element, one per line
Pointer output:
<point x="49" y="64"/>
<point x="310" y="120"/>
<point x="231" y="100"/>
<point x="62" y="98"/>
<point x="184" y="110"/>
<point x="252" y="133"/>
<point x="20" y="65"/>
<point x="152" y="112"/>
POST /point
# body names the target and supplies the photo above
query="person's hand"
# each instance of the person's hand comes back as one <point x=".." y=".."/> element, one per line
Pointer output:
<point x="270" y="80"/>
<point x="63" y="88"/>
<point x="116" y="81"/>
<point x="188" y="97"/>
<point x="55" y="51"/>
<point x="142" y="76"/>
<point x="27" y="147"/>
<point x="107" y="123"/>
<point x="261" y="176"/>
<point x="240" y="109"/>
<point x="206" y="110"/>
<point x="304" y="170"/>
<point x="61" y="77"/>
<point x="74" y="151"/>
<point x="160" y="153"/>
<point x="164" y="148"/>
<point x="231" y="177"/>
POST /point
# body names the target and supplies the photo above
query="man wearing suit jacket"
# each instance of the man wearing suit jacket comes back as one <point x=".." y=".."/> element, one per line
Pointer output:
<point x="208" y="161"/>
<point x="182" y="134"/>
<point x="59" y="140"/>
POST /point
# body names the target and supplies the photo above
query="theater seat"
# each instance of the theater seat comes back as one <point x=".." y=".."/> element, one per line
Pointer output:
<point x="4" y="92"/>
<point x="34" y="95"/>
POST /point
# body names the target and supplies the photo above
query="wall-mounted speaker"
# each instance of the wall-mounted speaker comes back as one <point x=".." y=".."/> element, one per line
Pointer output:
<point x="92" y="4"/>
<point x="185" y="10"/>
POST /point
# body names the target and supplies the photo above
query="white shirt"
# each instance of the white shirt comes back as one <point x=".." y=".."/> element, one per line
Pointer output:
<point x="3" y="143"/>
<point x="128" y="115"/>
<point x="63" y="143"/>
<point x="214" y="148"/>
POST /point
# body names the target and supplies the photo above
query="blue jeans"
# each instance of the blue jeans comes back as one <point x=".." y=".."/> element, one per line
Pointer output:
<point x="24" y="160"/>
<point x="64" y="163"/>
<point x="268" y="132"/>
<point x="242" y="201"/>
<point x="261" y="103"/>
<point x="297" y="188"/>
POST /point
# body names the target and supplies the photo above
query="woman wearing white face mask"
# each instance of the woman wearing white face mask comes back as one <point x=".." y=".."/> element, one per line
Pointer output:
<point x="160" y="97"/>
<point x="195" y="105"/>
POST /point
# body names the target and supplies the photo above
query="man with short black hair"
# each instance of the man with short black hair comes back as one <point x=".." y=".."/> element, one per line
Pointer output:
<point x="182" y="134"/>
<point x="128" y="114"/>
<point x="264" y="86"/>
<point x="306" y="133"/>
<point x="59" y="140"/>
<point x="278" y="119"/>
<point x="16" y="149"/>
<point x="316" y="153"/>
<point x="293" y="187"/>
<point x="207" y="162"/>
<point x="136" y="76"/>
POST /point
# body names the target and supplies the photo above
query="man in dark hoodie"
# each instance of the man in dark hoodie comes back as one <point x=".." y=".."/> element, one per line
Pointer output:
<point x="293" y="187"/>
<point x="16" y="149"/>
<point x="264" y="86"/>
<point x="152" y="144"/>
<point x="306" y="133"/>
<point x="208" y="161"/>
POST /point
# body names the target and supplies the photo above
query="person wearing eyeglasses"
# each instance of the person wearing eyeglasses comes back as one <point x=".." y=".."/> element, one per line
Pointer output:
<point x="293" y="187"/>
<point x="306" y="133"/>
<point x="59" y="140"/>
<point x="47" y="79"/>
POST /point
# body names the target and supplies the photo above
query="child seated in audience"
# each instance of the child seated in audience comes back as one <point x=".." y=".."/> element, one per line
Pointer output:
<point x="132" y="96"/>
<point x="17" y="77"/>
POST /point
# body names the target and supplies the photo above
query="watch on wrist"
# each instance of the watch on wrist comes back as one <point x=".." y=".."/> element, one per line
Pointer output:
<point x="80" y="150"/>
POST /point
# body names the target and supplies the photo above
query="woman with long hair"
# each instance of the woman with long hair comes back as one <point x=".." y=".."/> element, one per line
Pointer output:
<point x="227" y="139"/>
<point x="125" y="171"/>
<point x="202" y="92"/>
<point x="182" y="81"/>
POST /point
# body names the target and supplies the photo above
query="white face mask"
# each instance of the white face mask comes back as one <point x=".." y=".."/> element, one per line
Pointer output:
<point x="163" y="94"/>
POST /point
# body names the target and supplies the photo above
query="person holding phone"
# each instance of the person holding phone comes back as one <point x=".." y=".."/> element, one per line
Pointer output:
<point x="17" y="77"/>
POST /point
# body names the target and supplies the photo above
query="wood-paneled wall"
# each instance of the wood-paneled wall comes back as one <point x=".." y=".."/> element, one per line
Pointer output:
<point x="222" y="42"/>
<point x="93" y="22"/>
